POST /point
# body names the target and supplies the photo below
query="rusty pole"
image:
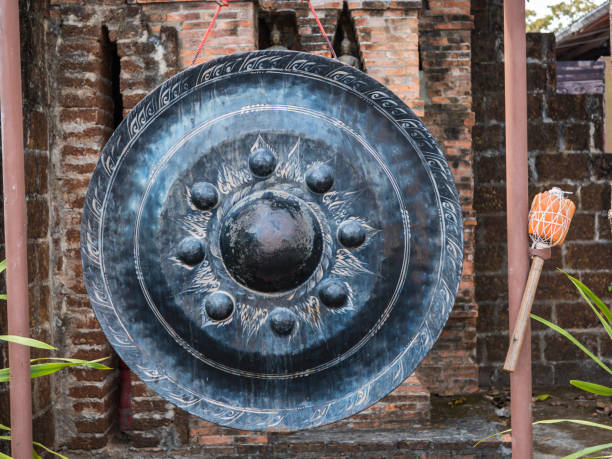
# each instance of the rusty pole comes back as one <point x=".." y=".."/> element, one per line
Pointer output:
<point x="15" y="228"/>
<point x="515" y="72"/>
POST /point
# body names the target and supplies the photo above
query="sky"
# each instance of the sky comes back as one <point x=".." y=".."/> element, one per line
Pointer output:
<point x="541" y="6"/>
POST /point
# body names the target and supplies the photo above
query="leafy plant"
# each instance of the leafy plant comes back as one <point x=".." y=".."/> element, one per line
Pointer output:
<point x="42" y="369"/>
<point x="605" y="317"/>
<point x="35" y="443"/>
<point x="47" y="366"/>
<point x="561" y="15"/>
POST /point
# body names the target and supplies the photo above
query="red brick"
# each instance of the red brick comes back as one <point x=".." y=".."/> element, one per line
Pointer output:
<point x="147" y="423"/>
<point x="214" y="440"/>
<point x="595" y="196"/>
<point x="88" y="391"/>
<point x="99" y="425"/>
<point x="88" y="442"/>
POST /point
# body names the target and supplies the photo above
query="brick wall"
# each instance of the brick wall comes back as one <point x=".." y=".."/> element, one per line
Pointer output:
<point x="445" y="47"/>
<point x="388" y="42"/>
<point x="104" y="56"/>
<point x="36" y="133"/>
<point x="565" y="150"/>
<point x="107" y="60"/>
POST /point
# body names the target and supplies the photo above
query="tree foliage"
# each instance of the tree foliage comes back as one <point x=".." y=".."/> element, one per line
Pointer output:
<point x="560" y="15"/>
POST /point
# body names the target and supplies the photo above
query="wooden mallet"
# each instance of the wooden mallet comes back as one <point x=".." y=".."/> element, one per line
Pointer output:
<point x="549" y="220"/>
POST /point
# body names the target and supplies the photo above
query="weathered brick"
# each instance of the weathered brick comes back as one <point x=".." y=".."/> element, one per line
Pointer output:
<point x="88" y="442"/>
<point x="561" y="107"/>
<point x="496" y="287"/>
<point x="490" y="258"/>
<point x="538" y="77"/>
<point x="88" y="391"/>
<point x="558" y="348"/>
<point x="562" y="167"/>
<point x="598" y="282"/>
<point x="36" y="176"/>
<point x="489" y="198"/>
<point x="492" y="318"/>
<point x="601" y="164"/>
<point x="494" y="229"/>
<point x="576" y="315"/>
<point x="582" y="227"/>
<point x="38" y="217"/>
<point x="554" y="286"/>
<point x="487" y="138"/>
<point x="543" y="137"/>
<point x="585" y="370"/>
<point x="94" y="406"/>
<point x="595" y="196"/>
<point x="534" y="107"/>
<point x="588" y="255"/>
<point x="577" y="137"/>
<point x="37" y="131"/>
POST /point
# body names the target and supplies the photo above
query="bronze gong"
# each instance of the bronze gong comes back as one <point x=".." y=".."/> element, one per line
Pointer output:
<point x="272" y="240"/>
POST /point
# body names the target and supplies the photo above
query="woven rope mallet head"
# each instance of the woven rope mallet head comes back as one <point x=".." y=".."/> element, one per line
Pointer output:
<point x="549" y="218"/>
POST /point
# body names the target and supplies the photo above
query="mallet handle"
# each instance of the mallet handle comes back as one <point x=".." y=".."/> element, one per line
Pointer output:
<point x="522" y="319"/>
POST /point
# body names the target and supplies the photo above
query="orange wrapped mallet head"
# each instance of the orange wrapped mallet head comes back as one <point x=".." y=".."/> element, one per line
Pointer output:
<point x="549" y="219"/>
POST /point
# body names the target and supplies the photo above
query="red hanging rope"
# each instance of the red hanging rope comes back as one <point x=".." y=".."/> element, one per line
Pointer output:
<point x="210" y="26"/>
<point x="222" y="3"/>
<point x="314" y="13"/>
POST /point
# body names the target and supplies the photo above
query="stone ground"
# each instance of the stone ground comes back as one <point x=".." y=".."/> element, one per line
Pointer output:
<point x="555" y="440"/>
<point x="456" y="424"/>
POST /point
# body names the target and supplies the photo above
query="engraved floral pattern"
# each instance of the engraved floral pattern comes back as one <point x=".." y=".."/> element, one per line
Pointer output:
<point x="140" y="359"/>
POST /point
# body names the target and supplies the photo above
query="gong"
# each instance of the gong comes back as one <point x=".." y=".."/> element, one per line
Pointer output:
<point x="272" y="240"/>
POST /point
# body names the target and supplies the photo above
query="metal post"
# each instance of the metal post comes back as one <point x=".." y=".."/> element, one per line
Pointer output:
<point x="607" y="127"/>
<point x="15" y="228"/>
<point x="517" y="211"/>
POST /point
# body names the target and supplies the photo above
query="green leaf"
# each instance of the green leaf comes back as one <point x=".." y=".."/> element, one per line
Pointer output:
<point x="491" y="436"/>
<point x="5" y="437"/>
<point x="43" y="369"/>
<point x="88" y="363"/>
<point x="3" y="297"/>
<point x="589" y="450"/>
<point x="586" y="292"/>
<point x="35" y="454"/>
<point x="575" y="421"/>
<point x="40" y="445"/>
<point x="27" y="342"/>
<point x="592" y="387"/>
<point x="2" y="265"/>
<point x="543" y="397"/>
<point x="553" y="421"/>
<point x="573" y="340"/>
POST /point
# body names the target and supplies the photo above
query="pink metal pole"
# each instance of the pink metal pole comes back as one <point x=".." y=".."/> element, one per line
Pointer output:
<point x="517" y="212"/>
<point x="15" y="228"/>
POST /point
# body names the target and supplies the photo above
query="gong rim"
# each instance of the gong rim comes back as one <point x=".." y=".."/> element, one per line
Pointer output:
<point x="137" y="354"/>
